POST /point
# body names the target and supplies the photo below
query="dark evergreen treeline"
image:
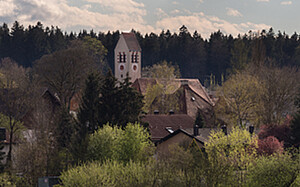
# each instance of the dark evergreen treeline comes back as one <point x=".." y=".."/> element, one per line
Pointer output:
<point x="196" y="57"/>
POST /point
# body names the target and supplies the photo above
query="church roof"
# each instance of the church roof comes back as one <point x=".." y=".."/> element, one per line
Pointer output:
<point x="131" y="41"/>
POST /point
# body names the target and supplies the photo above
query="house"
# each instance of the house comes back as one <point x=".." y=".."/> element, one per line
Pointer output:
<point x="184" y="137"/>
<point x="191" y="97"/>
<point x="179" y="137"/>
<point x="128" y="55"/>
<point x="45" y="108"/>
<point x="161" y="125"/>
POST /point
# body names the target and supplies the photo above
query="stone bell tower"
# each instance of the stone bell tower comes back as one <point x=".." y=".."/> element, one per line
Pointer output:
<point x="128" y="54"/>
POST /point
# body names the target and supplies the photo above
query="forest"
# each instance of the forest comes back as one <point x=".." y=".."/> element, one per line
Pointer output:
<point x="195" y="56"/>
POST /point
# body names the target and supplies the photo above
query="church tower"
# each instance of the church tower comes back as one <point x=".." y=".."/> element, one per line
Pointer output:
<point x="128" y="55"/>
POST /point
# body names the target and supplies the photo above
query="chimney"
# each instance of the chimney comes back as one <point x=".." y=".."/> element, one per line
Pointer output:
<point x="224" y="129"/>
<point x="196" y="130"/>
<point x="156" y="112"/>
<point x="171" y="112"/>
<point x="251" y="129"/>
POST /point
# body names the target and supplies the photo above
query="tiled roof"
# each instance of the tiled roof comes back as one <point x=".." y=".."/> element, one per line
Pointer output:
<point x="194" y="84"/>
<point x="177" y="132"/>
<point x="131" y="41"/>
<point x="142" y="84"/>
<point x="159" y="123"/>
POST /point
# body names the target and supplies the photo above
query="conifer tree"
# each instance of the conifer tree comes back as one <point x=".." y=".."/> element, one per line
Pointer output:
<point x="109" y="108"/>
<point x="131" y="103"/>
<point x="119" y="103"/>
<point x="87" y="117"/>
<point x="88" y="112"/>
<point x="295" y="125"/>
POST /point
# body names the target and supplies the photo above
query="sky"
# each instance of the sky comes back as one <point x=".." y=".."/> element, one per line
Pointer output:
<point x="205" y="16"/>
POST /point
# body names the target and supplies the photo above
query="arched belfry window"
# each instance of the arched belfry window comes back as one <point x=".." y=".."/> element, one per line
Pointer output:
<point x="122" y="57"/>
<point x="134" y="57"/>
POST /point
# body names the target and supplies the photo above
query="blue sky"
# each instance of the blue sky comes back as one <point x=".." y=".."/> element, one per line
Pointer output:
<point x="205" y="16"/>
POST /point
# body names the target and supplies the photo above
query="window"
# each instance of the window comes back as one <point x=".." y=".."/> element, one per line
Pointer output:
<point x="169" y="129"/>
<point x="134" y="57"/>
<point x="122" y="57"/>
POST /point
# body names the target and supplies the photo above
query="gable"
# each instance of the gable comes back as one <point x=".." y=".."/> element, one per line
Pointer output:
<point x="158" y="124"/>
<point x="131" y="41"/>
<point x="121" y="45"/>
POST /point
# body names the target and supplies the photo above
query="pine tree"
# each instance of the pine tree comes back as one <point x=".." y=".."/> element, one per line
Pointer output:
<point x="109" y="108"/>
<point x="119" y="104"/>
<point x="295" y="125"/>
<point x="131" y="103"/>
<point x="88" y="112"/>
<point x="87" y="118"/>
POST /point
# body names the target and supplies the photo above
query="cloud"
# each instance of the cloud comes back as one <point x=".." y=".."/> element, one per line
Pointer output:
<point x="160" y="13"/>
<point x="233" y="12"/>
<point x="122" y="14"/>
<point x="121" y="6"/>
<point x="176" y="11"/>
<point x="286" y="3"/>
<point x="262" y="0"/>
<point x="7" y="8"/>
<point x="175" y="3"/>
<point x="205" y="24"/>
<point x="87" y="6"/>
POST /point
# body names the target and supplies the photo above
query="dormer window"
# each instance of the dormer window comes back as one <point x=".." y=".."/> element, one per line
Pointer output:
<point x="170" y="129"/>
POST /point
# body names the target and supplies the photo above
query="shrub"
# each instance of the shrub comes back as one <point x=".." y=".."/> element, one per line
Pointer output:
<point x="274" y="170"/>
<point x="269" y="146"/>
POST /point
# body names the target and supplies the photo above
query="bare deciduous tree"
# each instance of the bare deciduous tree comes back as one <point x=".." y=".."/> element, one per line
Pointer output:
<point x="15" y="97"/>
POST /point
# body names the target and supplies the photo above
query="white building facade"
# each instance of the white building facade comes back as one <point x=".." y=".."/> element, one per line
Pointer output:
<point x="128" y="54"/>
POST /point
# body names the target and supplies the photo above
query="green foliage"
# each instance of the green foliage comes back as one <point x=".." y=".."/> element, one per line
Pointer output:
<point x="87" y="117"/>
<point x="132" y="143"/>
<point x="275" y="170"/>
<point x="6" y="180"/>
<point x="110" y="173"/>
<point x="65" y="128"/>
<point x="17" y="127"/>
<point x="102" y="143"/>
<point x="240" y="99"/>
<point x="131" y="103"/>
<point x="230" y="156"/>
<point x="295" y="124"/>
<point x="88" y="111"/>
<point x="240" y="56"/>
<point x="109" y="101"/>
<point x="163" y="95"/>
<point x="238" y="148"/>
<point x="118" y="104"/>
